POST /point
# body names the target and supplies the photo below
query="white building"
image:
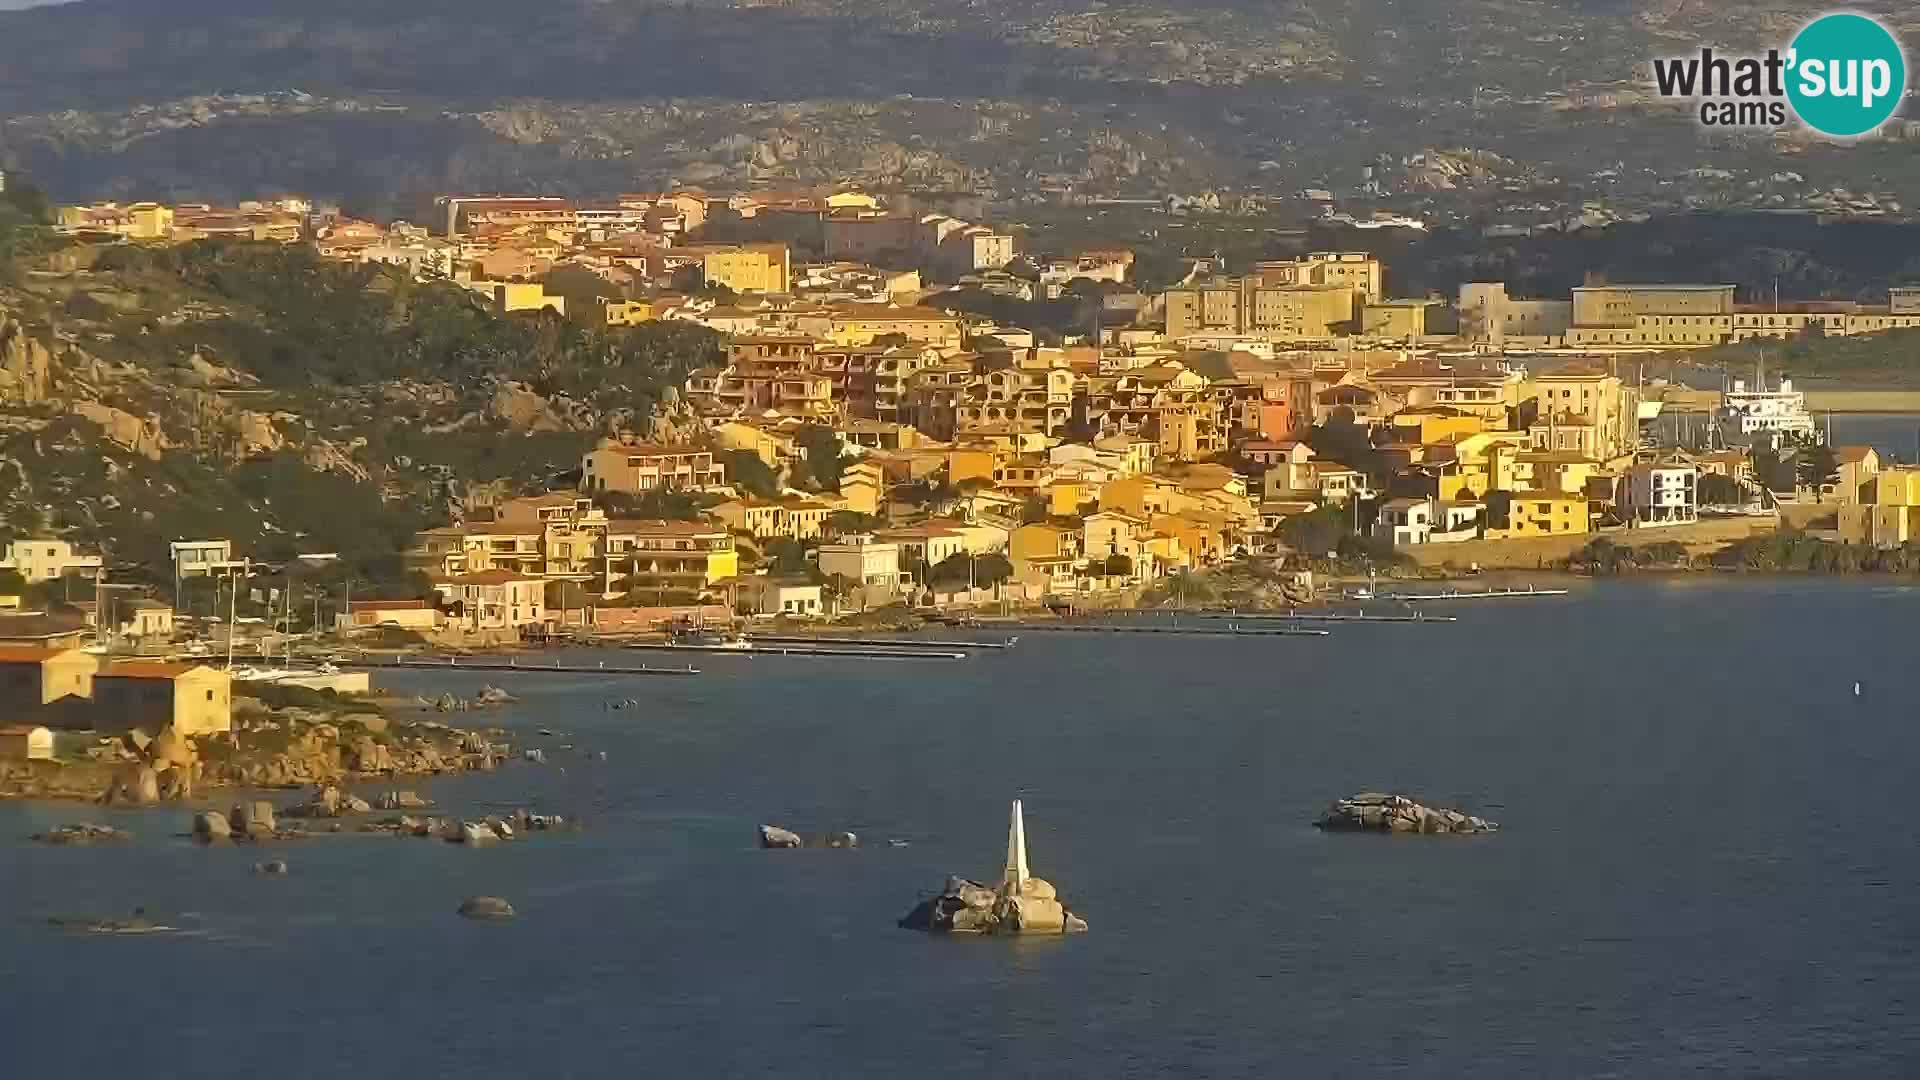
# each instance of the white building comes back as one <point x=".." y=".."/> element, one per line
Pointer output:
<point x="47" y="560"/>
<point x="200" y="558"/>
<point x="795" y="598"/>
<point x="872" y="566"/>
<point x="1661" y="493"/>
<point x="1407" y="521"/>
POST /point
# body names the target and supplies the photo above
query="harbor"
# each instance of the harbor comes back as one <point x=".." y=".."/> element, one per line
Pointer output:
<point x="1325" y="617"/>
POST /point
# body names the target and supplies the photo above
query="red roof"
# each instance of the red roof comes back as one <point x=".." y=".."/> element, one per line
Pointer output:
<point x="146" y="670"/>
<point x="28" y="654"/>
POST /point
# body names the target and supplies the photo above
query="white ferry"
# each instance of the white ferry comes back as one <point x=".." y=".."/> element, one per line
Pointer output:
<point x="1765" y="417"/>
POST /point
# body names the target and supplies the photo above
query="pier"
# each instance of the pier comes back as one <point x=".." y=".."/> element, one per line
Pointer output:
<point x="1325" y="617"/>
<point x="879" y="643"/>
<point x="755" y="648"/>
<point x="1479" y="594"/>
<point x="1196" y="631"/>
<point x="455" y="663"/>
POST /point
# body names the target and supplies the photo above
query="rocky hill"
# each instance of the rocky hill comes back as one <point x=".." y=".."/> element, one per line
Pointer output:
<point x="257" y="393"/>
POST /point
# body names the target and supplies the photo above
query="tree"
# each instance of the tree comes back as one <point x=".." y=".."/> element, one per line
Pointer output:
<point x="1816" y="467"/>
<point x="752" y="475"/>
<point x="1316" y="532"/>
<point x="825" y="455"/>
<point x="1117" y="565"/>
<point x="1718" y="490"/>
<point x="846" y="522"/>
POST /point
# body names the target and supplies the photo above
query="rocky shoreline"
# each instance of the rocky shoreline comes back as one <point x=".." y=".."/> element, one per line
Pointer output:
<point x="286" y="747"/>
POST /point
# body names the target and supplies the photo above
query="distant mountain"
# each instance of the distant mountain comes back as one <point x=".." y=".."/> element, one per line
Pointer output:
<point x="380" y="100"/>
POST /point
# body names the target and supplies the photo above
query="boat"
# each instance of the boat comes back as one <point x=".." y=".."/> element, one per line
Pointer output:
<point x="699" y="633"/>
<point x="1763" y="417"/>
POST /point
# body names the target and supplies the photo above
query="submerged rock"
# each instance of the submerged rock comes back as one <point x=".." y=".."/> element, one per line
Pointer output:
<point x="486" y="907"/>
<point x="773" y="836"/>
<point x="1374" y="811"/>
<point x="211" y="825"/>
<point x="82" y="833"/>
<point x="272" y="867"/>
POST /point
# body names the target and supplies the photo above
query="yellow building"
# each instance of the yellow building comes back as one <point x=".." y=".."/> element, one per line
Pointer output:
<point x="190" y="698"/>
<point x="32" y="676"/>
<point x="149" y="221"/>
<point x="972" y="463"/>
<point x="1206" y="538"/>
<point x="41" y="559"/>
<point x="1567" y="397"/>
<point x="775" y="448"/>
<point x="852" y="200"/>
<point x="1043" y="542"/>
<point x="1888" y="514"/>
<point x="511" y="296"/>
<point x="750" y="268"/>
<point x="1543" y="513"/>
<point x="1434" y="423"/>
<point x="627" y="312"/>
<point x="691" y="554"/>
<point x="1399" y="320"/>
<point x="1066" y="497"/>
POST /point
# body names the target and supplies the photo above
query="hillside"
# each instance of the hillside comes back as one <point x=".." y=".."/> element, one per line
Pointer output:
<point x="292" y="405"/>
<point x="386" y="104"/>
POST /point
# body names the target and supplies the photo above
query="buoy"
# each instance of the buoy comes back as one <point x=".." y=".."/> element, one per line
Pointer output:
<point x="1856" y="689"/>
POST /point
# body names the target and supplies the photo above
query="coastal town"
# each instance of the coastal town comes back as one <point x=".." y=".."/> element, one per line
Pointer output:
<point x="870" y="448"/>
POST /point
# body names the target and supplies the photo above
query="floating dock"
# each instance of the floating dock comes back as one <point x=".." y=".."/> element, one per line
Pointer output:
<point x="758" y="649"/>
<point x="1198" y="631"/>
<point x="878" y="643"/>
<point x="1332" y="617"/>
<point x="1479" y="594"/>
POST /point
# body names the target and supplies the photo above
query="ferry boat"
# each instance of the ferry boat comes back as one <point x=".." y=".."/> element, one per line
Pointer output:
<point x="1764" y="417"/>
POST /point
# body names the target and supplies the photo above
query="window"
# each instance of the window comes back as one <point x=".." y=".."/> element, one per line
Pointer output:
<point x="209" y="695"/>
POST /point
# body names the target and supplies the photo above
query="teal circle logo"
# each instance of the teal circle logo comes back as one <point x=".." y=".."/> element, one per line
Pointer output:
<point x="1846" y="75"/>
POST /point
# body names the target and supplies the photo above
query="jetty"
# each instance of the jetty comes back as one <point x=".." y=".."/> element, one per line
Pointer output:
<point x="754" y="648"/>
<point x="1325" y="617"/>
<point x="878" y="643"/>
<point x="456" y="663"/>
<point x="1477" y="594"/>
<point x="1198" y="631"/>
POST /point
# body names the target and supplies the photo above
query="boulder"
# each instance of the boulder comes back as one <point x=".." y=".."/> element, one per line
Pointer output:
<point x="968" y="907"/>
<point x="354" y="804"/>
<point x="486" y="907"/>
<point x="211" y="825"/>
<point x="402" y="800"/>
<point x="172" y="747"/>
<point x="477" y="832"/>
<point x="146" y="786"/>
<point x="374" y="723"/>
<point x="176" y="783"/>
<point x="255" y="817"/>
<point x="493" y="695"/>
<point x="1372" y="811"/>
<point x="772" y="836"/>
<point x="138" y="740"/>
